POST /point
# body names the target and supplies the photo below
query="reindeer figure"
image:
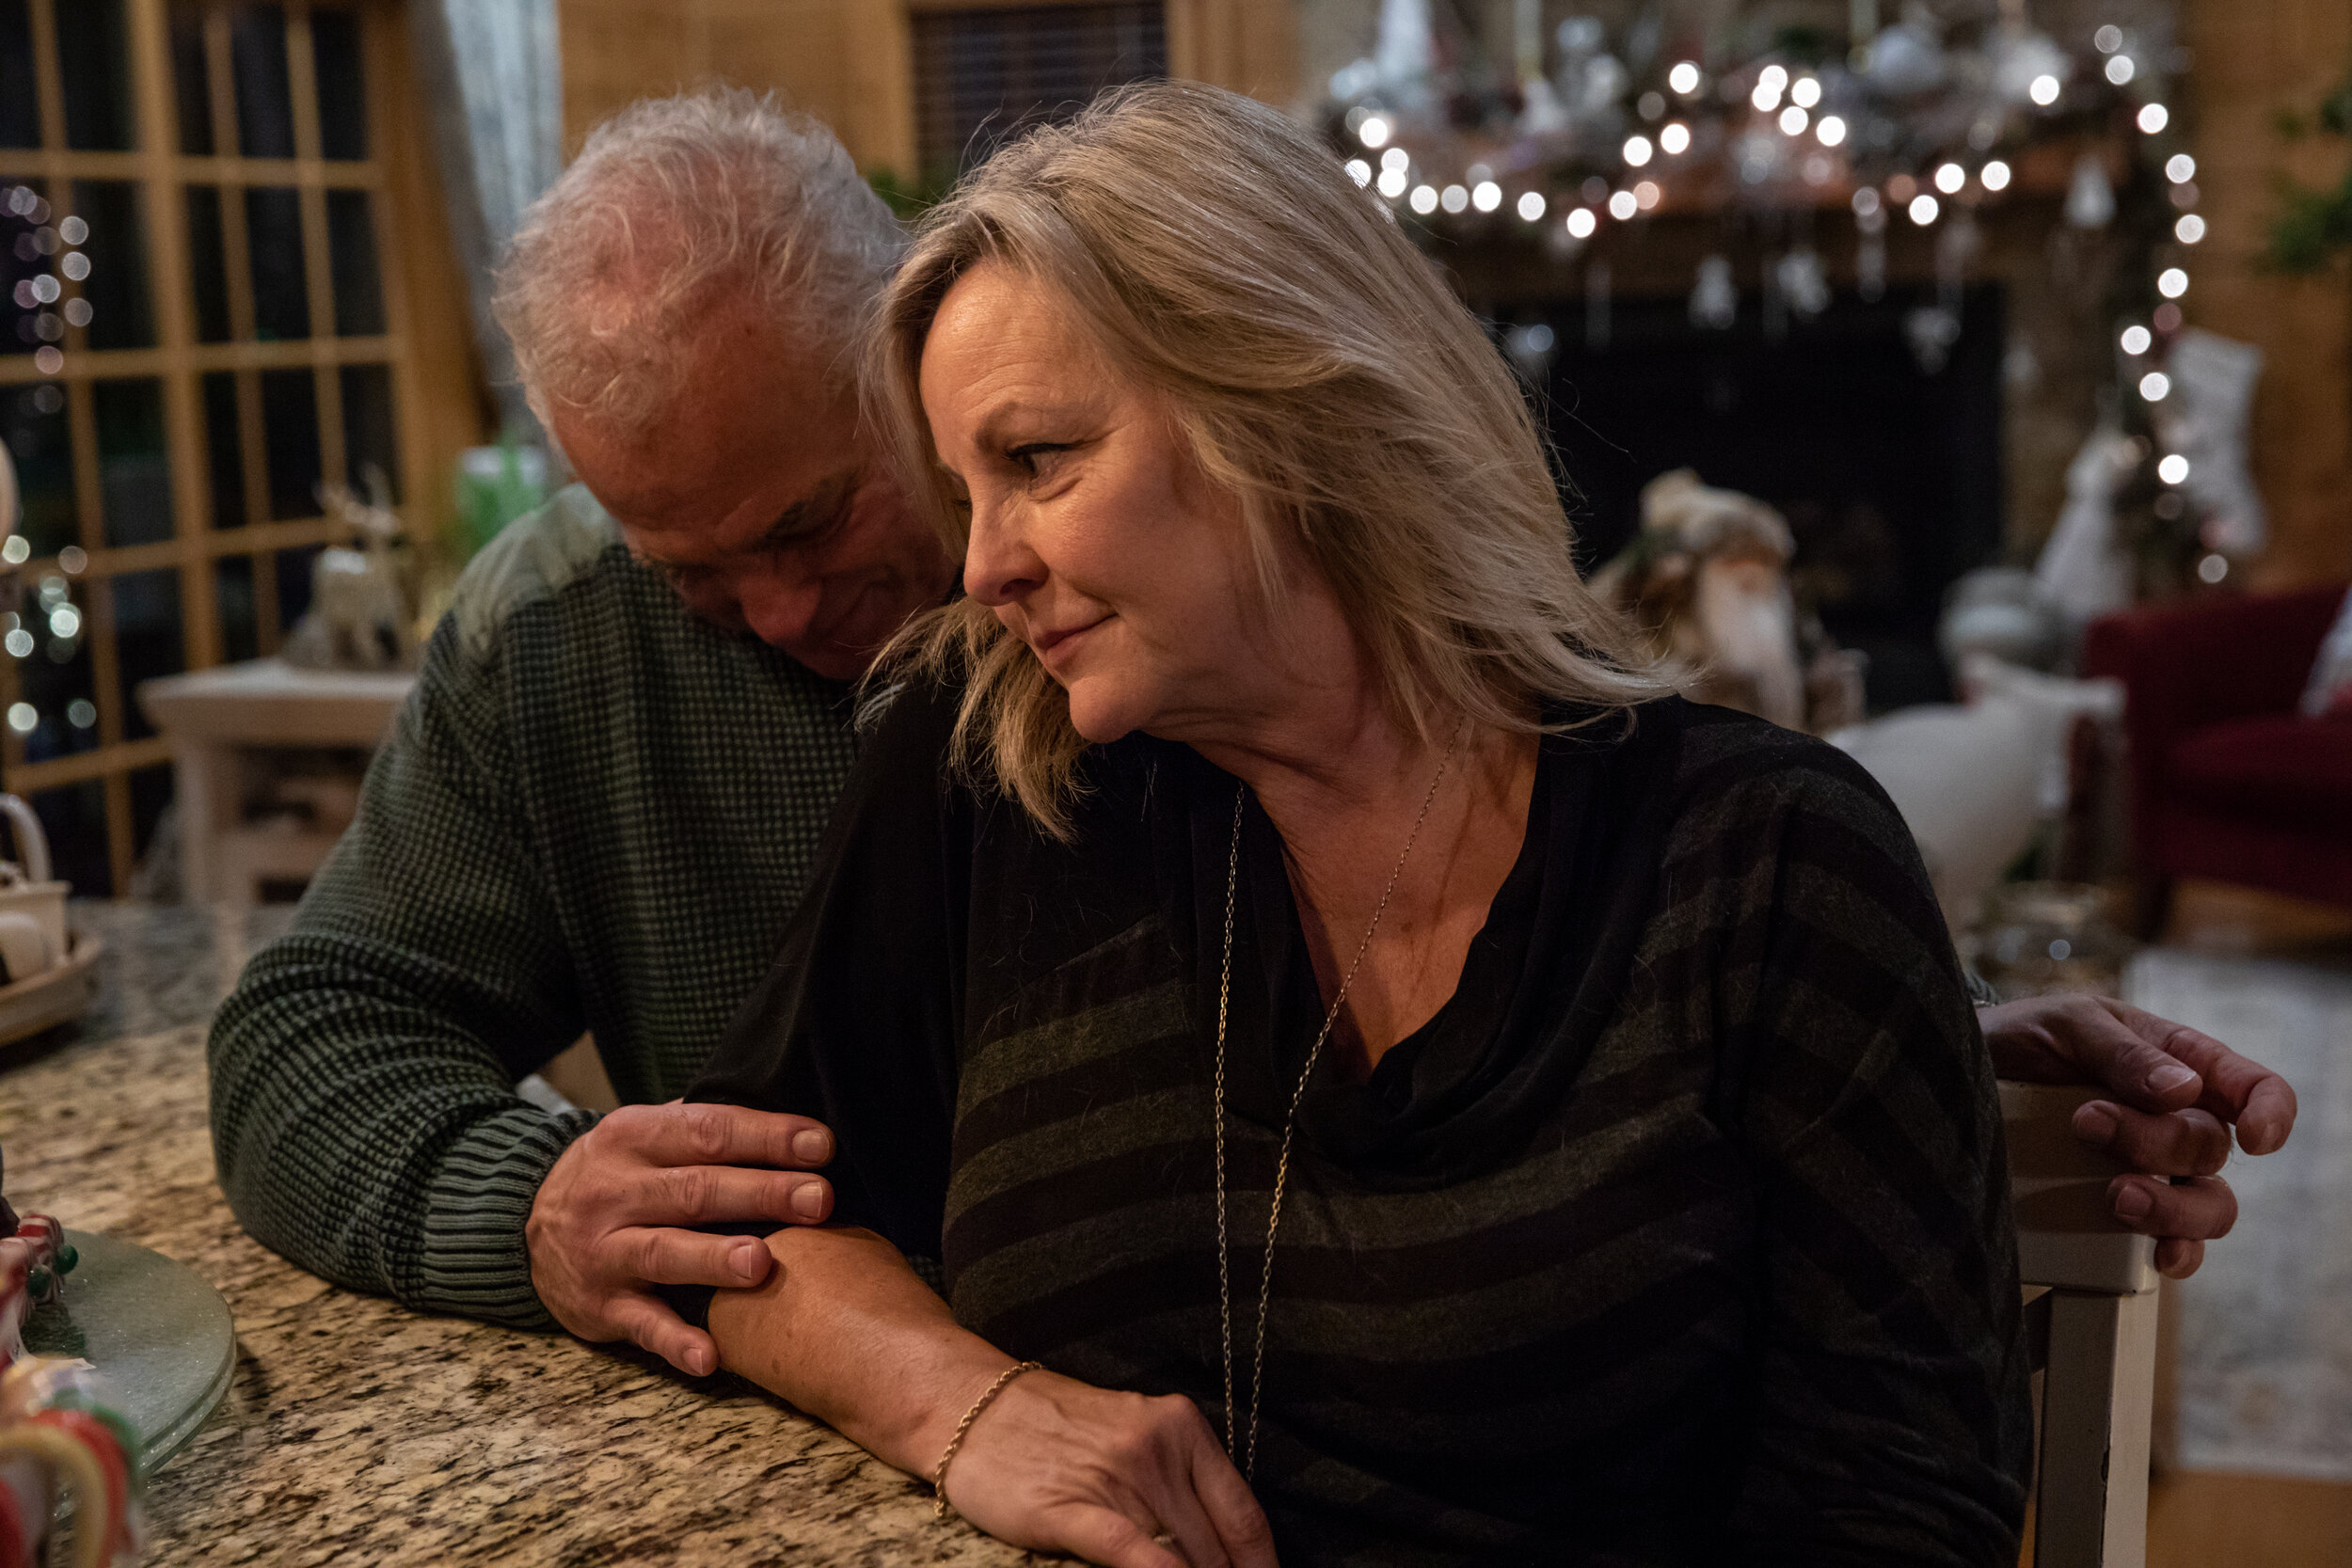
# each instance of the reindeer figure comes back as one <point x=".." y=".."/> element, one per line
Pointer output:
<point x="359" y="617"/>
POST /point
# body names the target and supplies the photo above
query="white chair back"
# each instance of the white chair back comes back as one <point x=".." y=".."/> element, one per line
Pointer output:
<point x="2090" y="1316"/>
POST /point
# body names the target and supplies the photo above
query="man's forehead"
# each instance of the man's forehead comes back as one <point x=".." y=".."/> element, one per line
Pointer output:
<point x="696" y="528"/>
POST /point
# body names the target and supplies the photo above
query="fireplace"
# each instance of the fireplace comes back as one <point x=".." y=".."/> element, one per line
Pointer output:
<point x="1890" y="474"/>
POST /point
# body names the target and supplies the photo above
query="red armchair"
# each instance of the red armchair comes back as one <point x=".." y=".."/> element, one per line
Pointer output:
<point x="2228" y="781"/>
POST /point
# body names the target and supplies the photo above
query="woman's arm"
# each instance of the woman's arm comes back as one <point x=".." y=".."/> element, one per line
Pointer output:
<point x="857" y="1026"/>
<point x="844" y="1330"/>
<point x="1891" y="1421"/>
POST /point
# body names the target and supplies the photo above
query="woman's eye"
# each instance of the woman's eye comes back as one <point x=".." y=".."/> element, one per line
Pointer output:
<point x="1038" y="456"/>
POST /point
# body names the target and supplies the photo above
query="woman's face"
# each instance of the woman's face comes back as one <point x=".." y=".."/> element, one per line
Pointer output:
<point x="1095" y="537"/>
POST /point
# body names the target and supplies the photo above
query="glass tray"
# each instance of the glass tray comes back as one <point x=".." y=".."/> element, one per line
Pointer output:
<point x="159" y="1334"/>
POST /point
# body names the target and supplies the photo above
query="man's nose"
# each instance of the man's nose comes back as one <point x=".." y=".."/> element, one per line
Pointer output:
<point x="780" y="606"/>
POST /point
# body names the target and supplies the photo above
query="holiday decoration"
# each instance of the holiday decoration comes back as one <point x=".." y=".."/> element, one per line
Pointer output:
<point x="1580" y="130"/>
<point x="58" y="1427"/>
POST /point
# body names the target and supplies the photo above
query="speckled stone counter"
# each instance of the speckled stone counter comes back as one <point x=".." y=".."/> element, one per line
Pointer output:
<point x="357" y="1432"/>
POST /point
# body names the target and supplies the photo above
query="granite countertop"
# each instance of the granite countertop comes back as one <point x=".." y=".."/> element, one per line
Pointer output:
<point x="357" y="1431"/>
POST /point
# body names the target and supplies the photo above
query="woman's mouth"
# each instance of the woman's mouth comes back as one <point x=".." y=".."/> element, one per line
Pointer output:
<point x="1060" y="640"/>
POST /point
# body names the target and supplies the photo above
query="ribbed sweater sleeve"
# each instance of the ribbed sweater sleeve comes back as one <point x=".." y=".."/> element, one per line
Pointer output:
<point x="363" y="1112"/>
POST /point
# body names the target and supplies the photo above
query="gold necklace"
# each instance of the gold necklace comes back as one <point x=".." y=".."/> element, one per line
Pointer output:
<point x="1244" y="1452"/>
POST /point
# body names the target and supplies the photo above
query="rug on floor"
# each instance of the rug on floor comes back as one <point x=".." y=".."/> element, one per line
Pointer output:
<point x="2265" y="1326"/>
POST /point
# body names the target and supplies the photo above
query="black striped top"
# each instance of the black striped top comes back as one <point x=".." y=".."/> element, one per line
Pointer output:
<point x="1680" y="1234"/>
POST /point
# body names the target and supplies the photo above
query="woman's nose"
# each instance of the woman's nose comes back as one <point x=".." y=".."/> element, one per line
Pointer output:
<point x="999" y="568"/>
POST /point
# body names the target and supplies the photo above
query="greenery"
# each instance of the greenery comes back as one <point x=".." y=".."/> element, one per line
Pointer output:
<point x="909" y="199"/>
<point x="487" y="502"/>
<point x="2314" y="223"/>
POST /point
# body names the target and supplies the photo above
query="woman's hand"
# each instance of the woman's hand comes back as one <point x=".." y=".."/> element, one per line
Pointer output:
<point x="1122" y="1479"/>
<point x="844" y="1329"/>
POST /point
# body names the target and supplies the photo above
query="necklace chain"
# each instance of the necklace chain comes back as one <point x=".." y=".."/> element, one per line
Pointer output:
<point x="1240" y="1447"/>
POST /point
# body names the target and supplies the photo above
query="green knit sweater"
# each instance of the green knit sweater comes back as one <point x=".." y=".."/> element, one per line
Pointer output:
<point x="594" y="813"/>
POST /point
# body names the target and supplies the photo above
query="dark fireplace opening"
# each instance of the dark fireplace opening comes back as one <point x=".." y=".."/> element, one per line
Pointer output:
<point x="1888" y="472"/>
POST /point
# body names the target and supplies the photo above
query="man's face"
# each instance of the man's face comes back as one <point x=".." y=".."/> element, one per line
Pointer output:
<point x="756" y="497"/>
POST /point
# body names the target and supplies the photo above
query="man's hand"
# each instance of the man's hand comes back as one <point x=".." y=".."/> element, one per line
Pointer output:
<point x="2177" y="1093"/>
<point x="612" y="1220"/>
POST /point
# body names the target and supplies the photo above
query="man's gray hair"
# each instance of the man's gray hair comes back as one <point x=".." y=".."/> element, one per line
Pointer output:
<point x="673" y="204"/>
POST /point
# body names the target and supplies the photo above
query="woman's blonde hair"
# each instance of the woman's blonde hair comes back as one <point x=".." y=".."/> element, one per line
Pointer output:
<point x="1217" y="255"/>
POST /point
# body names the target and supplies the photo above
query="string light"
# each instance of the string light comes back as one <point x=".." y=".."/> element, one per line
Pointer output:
<point x="1949" y="177"/>
<point x="2155" y="386"/>
<point x="1769" y="87"/>
<point x="1923" y="209"/>
<point x="1804" y="92"/>
<point x="2044" y="90"/>
<point x="1623" y="205"/>
<point x="1486" y="196"/>
<point x="1866" y="201"/>
<point x="2213" y="568"/>
<point x="2172" y="283"/>
<point x="2154" y="117"/>
<point x="1360" y="171"/>
<point x="1581" y="223"/>
<point x="1646" y="195"/>
<point x="2189" y="229"/>
<point x="1793" y="122"/>
<point x="23" y="717"/>
<point x="1637" y="150"/>
<point x="2173" y="470"/>
<point x="2137" y="340"/>
<point x="1424" y="199"/>
<point x="1454" y="198"/>
<point x="1532" y="206"/>
<point x="1995" y="175"/>
<point x="1684" y="77"/>
<point x="2120" y="68"/>
<point x="1832" y="130"/>
<point x="1675" y="138"/>
<point x="2109" y="39"/>
<point x="73" y="231"/>
<point x="1375" y="131"/>
<point x="2180" y="168"/>
<point x="1393" y="181"/>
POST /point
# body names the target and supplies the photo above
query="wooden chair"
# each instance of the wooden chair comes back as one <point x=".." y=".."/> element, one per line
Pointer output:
<point x="2090" y="1317"/>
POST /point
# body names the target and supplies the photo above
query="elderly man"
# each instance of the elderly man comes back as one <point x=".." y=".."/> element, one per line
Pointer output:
<point x="601" y="805"/>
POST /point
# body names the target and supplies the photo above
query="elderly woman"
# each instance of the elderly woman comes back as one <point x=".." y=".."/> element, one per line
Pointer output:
<point x="1327" y="1056"/>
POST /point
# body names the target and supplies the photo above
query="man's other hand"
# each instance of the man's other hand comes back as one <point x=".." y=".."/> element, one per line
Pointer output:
<point x="2177" y="1093"/>
<point x="615" y="1216"/>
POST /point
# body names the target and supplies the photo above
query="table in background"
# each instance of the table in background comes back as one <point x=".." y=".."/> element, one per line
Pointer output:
<point x="209" y="716"/>
<point x="356" y="1430"/>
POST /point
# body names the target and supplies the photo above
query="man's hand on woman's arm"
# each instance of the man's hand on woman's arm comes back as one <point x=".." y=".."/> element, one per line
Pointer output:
<point x="844" y="1330"/>
<point x="2177" y="1095"/>
<point x="615" y="1216"/>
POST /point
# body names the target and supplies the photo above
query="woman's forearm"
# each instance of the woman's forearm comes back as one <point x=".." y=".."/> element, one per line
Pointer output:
<point x="844" y="1330"/>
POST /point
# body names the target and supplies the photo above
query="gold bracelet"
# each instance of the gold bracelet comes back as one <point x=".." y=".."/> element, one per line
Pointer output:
<point x="939" y="1476"/>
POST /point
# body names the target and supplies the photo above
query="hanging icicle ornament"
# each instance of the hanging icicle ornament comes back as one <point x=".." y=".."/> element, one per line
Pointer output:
<point x="1714" y="299"/>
